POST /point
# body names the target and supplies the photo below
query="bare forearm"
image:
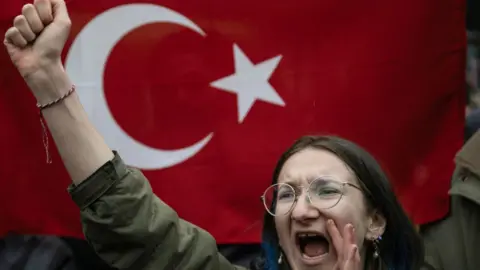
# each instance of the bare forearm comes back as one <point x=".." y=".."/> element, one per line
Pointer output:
<point x="81" y="147"/>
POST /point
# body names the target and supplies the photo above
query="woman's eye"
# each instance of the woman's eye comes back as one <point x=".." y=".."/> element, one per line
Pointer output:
<point x="285" y="195"/>
<point x="328" y="191"/>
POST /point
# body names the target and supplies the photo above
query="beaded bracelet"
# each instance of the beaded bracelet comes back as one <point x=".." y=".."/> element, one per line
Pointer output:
<point x="50" y="104"/>
<point x="42" y="122"/>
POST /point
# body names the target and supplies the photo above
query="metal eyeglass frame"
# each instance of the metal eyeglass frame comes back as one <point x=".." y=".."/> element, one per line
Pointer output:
<point x="343" y="184"/>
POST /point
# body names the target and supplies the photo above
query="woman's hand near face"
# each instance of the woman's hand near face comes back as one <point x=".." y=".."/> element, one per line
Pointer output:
<point x="348" y="256"/>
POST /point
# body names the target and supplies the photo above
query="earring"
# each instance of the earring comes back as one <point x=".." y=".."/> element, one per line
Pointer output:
<point x="280" y="258"/>
<point x="376" y="249"/>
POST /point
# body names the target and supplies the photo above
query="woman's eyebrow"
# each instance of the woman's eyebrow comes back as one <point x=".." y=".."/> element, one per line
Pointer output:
<point x="298" y="182"/>
<point x="292" y="183"/>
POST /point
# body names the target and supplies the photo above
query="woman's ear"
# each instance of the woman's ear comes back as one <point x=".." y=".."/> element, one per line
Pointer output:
<point x="376" y="227"/>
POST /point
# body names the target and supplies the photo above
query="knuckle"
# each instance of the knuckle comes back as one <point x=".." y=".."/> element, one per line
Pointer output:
<point x="20" y="19"/>
<point x="26" y="8"/>
<point x="47" y="18"/>
<point x="37" y="28"/>
<point x="10" y="32"/>
<point x="30" y="36"/>
<point x="67" y="23"/>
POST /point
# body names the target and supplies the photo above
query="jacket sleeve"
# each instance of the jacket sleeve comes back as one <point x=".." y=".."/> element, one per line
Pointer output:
<point x="131" y="228"/>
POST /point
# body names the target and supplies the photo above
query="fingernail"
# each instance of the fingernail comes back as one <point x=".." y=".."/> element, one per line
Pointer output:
<point x="330" y="222"/>
<point x="354" y="252"/>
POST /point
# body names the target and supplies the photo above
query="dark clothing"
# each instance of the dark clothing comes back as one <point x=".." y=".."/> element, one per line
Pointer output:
<point x="35" y="253"/>
<point x="452" y="243"/>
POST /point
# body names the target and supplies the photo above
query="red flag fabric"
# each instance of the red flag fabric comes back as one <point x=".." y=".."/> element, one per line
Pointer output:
<point x="204" y="96"/>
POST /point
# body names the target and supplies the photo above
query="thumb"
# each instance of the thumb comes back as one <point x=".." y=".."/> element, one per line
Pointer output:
<point x="59" y="9"/>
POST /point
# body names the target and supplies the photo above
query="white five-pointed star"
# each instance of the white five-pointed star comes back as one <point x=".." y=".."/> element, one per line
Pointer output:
<point x="250" y="82"/>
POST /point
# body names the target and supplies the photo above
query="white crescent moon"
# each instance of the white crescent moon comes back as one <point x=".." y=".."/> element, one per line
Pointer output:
<point x="85" y="63"/>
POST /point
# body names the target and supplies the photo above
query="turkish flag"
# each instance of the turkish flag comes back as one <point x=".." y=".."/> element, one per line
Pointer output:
<point x="204" y="96"/>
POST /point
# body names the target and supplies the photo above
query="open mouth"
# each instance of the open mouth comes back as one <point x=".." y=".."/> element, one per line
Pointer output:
<point x="312" y="245"/>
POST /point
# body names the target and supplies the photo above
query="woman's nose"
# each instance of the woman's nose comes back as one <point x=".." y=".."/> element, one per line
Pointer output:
<point x="303" y="209"/>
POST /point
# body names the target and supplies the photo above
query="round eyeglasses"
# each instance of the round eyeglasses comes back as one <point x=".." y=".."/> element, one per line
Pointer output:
<point x="279" y="199"/>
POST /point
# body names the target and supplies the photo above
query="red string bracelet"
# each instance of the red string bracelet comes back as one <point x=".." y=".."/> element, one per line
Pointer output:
<point x="42" y="122"/>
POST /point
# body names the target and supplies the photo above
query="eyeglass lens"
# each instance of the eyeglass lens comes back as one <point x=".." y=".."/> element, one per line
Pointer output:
<point x="279" y="199"/>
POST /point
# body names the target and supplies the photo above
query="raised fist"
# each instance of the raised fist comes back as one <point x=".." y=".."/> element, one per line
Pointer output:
<point x="38" y="35"/>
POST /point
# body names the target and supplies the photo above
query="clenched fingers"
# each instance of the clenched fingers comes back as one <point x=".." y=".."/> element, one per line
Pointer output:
<point x="14" y="37"/>
<point x="21" y="23"/>
<point x="33" y="18"/>
<point x="44" y="10"/>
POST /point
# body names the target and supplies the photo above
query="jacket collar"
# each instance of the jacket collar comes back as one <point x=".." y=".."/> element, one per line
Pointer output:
<point x="466" y="182"/>
<point x="469" y="156"/>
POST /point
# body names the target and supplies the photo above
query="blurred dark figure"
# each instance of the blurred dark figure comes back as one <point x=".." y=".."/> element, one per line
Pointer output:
<point x="473" y="15"/>
<point x="452" y="243"/>
<point x="31" y="252"/>
<point x="24" y="252"/>
<point x="472" y="124"/>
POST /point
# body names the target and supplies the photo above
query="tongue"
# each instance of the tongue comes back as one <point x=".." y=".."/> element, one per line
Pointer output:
<point x="314" y="249"/>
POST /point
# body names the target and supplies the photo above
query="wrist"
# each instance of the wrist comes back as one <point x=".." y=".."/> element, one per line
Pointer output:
<point x="49" y="82"/>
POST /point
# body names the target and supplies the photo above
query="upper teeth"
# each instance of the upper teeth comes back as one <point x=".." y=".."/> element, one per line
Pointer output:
<point x="307" y="234"/>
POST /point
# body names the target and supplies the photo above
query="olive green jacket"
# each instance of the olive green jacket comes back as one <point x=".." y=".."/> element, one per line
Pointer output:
<point x="454" y="242"/>
<point x="131" y="228"/>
